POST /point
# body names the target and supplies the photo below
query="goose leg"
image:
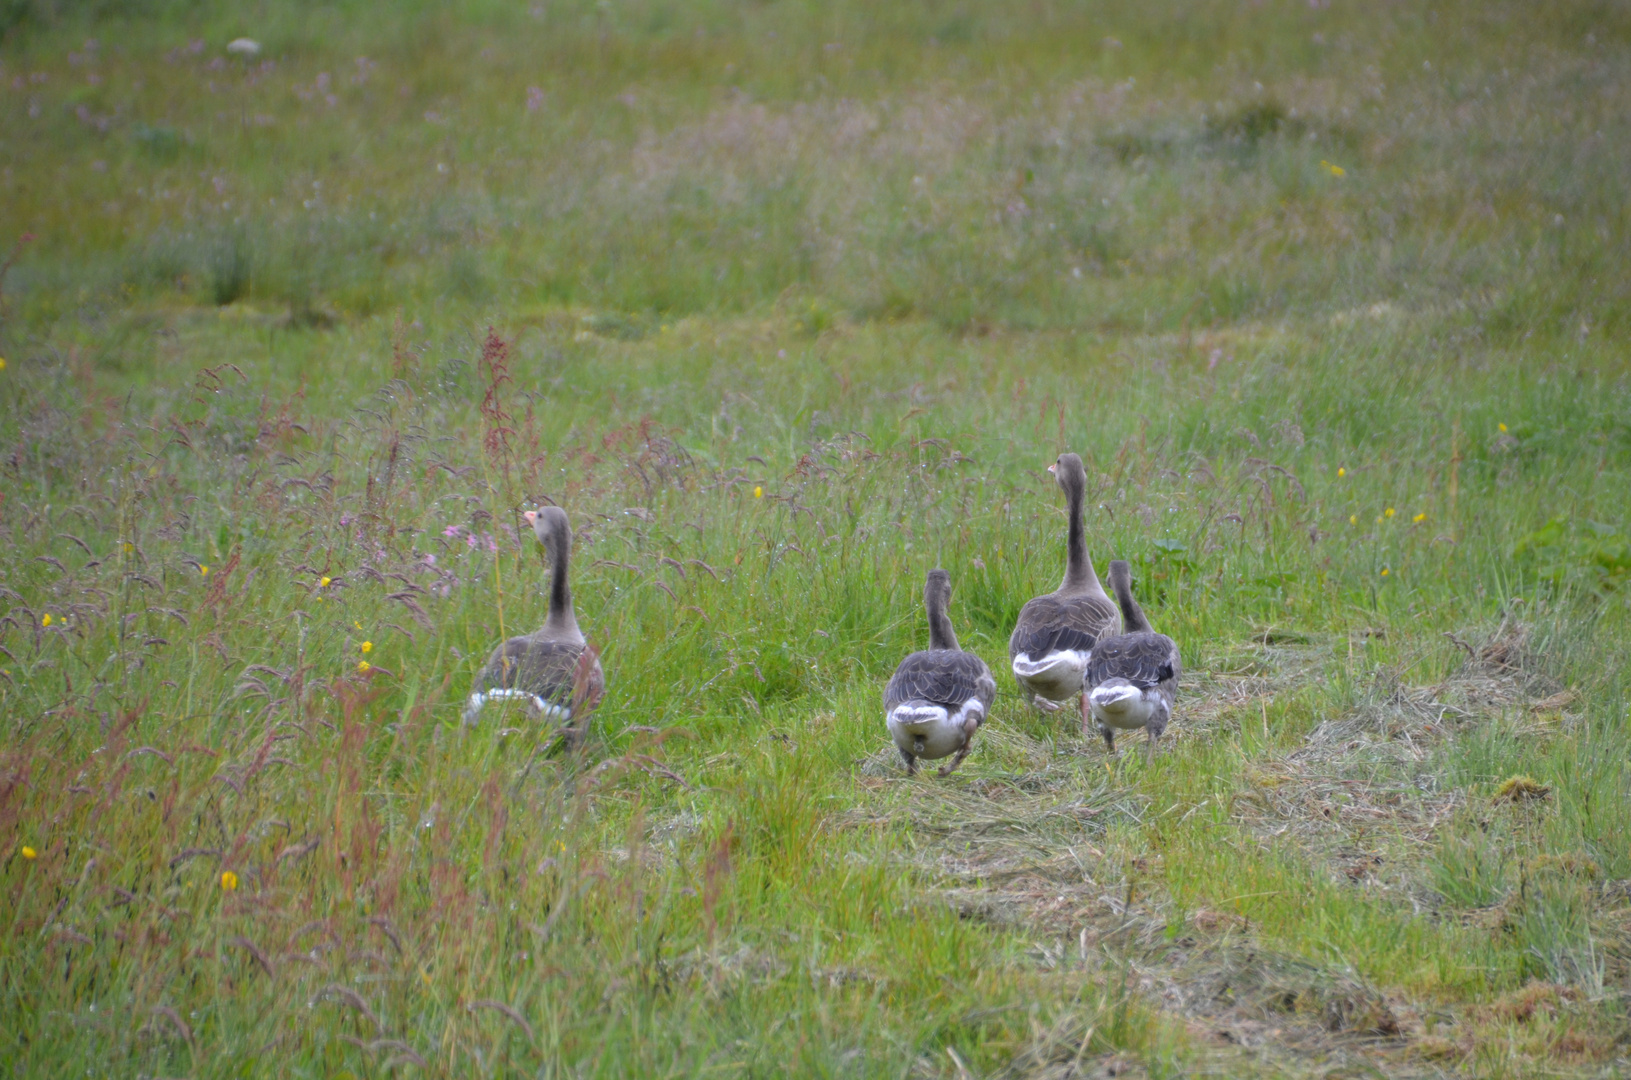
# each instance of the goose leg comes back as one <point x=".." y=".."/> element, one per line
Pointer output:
<point x="1087" y="715"/>
<point x="911" y="762"/>
<point x="1043" y="704"/>
<point x="957" y="759"/>
<point x="1109" y="740"/>
<point x="1156" y="727"/>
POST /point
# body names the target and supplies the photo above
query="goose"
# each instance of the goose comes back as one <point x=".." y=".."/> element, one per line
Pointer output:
<point x="938" y="698"/>
<point x="1133" y="677"/>
<point x="554" y="671"/>
<point x="1055" y="635"/>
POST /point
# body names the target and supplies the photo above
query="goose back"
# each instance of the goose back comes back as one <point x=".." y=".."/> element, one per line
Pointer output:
<point x="1143" y="659"/>
<point x="948" y="678"/>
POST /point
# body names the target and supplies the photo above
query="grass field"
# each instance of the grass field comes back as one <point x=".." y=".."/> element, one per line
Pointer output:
<point x="786" y="304"/>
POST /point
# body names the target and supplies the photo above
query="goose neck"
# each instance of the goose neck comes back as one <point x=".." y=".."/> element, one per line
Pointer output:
<point x="941" y="635"/>
<point x="1132" y="616"/>
<point x="560" y="591"/>
<point x="1079" y="573"/>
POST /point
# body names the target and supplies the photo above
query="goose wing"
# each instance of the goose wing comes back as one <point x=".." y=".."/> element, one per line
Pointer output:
<point x="1143" y="659"/>
<point x="1054" y="623"/>
<point x="941" y="677"/>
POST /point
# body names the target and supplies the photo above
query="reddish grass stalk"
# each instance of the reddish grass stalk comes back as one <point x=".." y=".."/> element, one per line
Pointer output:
<point x="498" y="424"/>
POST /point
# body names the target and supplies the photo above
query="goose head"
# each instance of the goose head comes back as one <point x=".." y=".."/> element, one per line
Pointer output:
<point x="1070" y="474"/>
<point x="937" y="590"/>
<point x="553" y="530"/>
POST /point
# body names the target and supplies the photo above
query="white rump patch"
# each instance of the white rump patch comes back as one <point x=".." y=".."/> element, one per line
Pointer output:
<point x="1055" y="663"/>
<point x="546" y="710"/>
<point x="1109" y="696"/>
<point x="1054" y="677"/>
<point x="931" y="731"/>
<point x="1122" y="705"/>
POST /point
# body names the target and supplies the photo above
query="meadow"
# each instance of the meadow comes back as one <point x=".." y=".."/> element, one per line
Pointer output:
<point x="787" y="303"/>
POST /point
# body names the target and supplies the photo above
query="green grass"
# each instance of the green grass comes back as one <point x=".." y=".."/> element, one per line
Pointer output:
<point x="787" y="304"/>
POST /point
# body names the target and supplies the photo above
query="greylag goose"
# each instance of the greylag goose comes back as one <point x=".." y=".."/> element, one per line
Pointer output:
<point x="938" y="699"/>
<point x="553" y="671"/>
<point x="1133" y="677"/>
<point x="1055" y="635"/>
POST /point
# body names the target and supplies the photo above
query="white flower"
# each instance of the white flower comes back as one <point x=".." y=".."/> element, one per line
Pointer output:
<point x="244" y="46"/>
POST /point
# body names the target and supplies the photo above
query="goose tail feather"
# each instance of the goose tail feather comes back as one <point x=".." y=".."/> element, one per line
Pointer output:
<point x="913" y="714"/>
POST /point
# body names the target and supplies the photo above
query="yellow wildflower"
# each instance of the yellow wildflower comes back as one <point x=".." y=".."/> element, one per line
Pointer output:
<point x="758" y="492"/>
<point x="229" y="881"/>
<point x="1388" y="511"/>
<point x="1353" y="519"/>
<point x="1501" y="426"/>
<point x="367" y="646"/>
<point x="203" y="570"/>
<point x="29" y="853"/>
<point x="364" y="666"/>
<point x="47" y="620"/>
<point x="1385" y="571"/>
<point x="323" y="583"/>
<point x="1334" y="170"/>
<point x="1341" y="471"/>
<point x="2" y="363"/>
<point x="1419" y="518"/>
<point x="129" y="547"/>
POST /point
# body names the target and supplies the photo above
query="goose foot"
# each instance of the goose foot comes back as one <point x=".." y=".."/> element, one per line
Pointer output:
<point x="1149" y="748"/>
<point x="1043" y="704"/>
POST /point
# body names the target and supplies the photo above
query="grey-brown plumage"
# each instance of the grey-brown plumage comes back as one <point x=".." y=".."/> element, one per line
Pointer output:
<point x="938" y="698"/>
<point x="1133" y="677"/>
<point x="554" y="672"/>
<point x="1054" y="638"/>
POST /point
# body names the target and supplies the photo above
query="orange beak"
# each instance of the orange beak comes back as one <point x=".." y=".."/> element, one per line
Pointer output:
<point x="1054" y="468"/>
<point x="530" y="515"/>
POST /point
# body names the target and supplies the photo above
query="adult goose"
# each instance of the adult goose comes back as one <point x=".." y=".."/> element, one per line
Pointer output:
<point x="553" y="671"/>
<point x="1055" y="635"/>
<point x="1133" y="678"/>
<point x="938" y="698"/>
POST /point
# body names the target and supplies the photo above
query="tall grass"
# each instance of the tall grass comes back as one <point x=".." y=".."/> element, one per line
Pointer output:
<point x="787" y="304"/>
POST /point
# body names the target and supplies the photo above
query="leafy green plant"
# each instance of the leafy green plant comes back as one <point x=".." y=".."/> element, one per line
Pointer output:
<point x="1584" y="551"/>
